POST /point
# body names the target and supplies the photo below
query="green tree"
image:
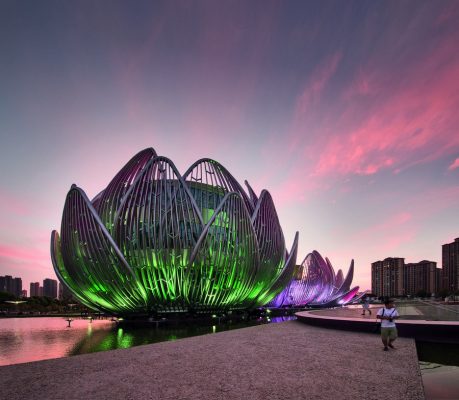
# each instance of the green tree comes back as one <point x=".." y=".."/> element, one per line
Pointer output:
<point x="4" y="296"/>
<point x="423" y="293"/>
<point x="443" y="293"/>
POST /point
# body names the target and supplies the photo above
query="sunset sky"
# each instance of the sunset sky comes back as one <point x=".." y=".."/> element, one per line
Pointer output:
<point x="347" y="112"/>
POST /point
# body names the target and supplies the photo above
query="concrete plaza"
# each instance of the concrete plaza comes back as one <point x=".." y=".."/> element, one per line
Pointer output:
<point x="289" y="360"/>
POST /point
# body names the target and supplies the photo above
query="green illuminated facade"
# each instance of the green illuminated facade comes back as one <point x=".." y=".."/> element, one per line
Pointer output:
<point x="156" y="241"/>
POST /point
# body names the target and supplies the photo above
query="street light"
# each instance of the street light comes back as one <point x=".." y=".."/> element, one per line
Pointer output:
<point x="16" y="302"/>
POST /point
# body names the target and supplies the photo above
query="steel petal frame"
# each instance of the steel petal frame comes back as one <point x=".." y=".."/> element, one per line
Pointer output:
<point x="222" y="264"/>
<point x="156" y="226"/>
<point x="88" y="256"/>
<point x="107" y="202"/>
<point x="285" y="276"/>
<point x="155" y="241"/>
<point x="271" y="246"/>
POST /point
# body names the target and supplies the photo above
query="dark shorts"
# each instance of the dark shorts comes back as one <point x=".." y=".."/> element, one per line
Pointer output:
<point x="389" y="333"/>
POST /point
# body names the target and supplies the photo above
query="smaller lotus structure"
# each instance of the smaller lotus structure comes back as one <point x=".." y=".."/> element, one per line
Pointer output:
<point x="315" y="284"/>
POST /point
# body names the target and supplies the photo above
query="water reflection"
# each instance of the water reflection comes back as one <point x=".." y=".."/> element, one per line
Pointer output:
<point x="33" y="339"/>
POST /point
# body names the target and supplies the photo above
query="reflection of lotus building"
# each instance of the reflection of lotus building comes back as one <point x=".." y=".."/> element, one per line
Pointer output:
<point x="154" y="240"/>
<point x="315" y="284"/>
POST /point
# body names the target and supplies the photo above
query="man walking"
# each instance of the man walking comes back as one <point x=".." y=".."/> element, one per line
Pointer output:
<point x="388" y="315"/>
<point x="366" y="305"/>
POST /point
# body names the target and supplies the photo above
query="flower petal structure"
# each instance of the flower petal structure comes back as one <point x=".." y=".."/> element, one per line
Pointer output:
<point x="157" y="241"/>
<point x="315" y="284"/>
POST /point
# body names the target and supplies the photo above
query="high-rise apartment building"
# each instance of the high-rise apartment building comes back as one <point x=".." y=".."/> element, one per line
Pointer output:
<point x="50" y="288"/>
<point x="60" y="291"/>
<point x="420" y="277"/>
<point x="34" y="289"/>
<point x="387" y="277"/>
<point x="439" y="279"/>
<point x="2" y="284"/>
<point x="6" y="284"/>
<point x="11" y="285"/>
<point x="17" y="287"/>
<point x="450" y="262"/>
<point x="64" y="293"/>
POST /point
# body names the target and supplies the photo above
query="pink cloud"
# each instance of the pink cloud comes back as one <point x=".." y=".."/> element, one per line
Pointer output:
<point x="309" y="98"/>
<point x="397" y="235"/>
<point x="29" y="263"/>
<point x="296" y="188"/>
<point x="10" y="203"/>
<point x="20" y="253"/>
<point x="294" y="183"/>
<point x="382" y="239"/>
<point x="389" y="124"/>
<point x="391" y="222"/>
<point x="313" y="89"/>
<point x="385" y="120"/>
<point x="432" y="201"/>
<point x="394" y="241"/>
<point x="454" y="165"/>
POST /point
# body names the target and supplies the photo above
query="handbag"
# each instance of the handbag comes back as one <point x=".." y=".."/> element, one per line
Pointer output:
<point x="377" y="328"/>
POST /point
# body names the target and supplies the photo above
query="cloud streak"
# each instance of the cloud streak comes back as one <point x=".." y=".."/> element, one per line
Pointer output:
<point x="20" y="253"/>
<point x="454" y="165"/>
<point x="404" y="125"/>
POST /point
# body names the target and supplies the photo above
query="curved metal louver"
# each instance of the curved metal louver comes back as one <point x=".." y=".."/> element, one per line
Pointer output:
<point x="155" y="241"/>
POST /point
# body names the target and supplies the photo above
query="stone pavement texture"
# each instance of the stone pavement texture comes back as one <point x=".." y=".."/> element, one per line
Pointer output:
<point x="349" y="312"/>
<point x="289" y="360"/>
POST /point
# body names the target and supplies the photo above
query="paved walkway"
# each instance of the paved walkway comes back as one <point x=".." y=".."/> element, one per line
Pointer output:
<point x="349" y="312"/>
<point x="288" y="360"/>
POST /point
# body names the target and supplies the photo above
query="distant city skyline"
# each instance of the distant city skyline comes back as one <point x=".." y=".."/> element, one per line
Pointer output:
<point x="438" y="285"/>
<point x="16" y="286"/>
<point x="346" y="112"/>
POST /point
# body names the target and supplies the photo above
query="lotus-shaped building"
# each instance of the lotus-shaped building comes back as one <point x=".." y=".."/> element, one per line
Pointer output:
<point x="315" y="284"/>
<point x="154" y="240"/>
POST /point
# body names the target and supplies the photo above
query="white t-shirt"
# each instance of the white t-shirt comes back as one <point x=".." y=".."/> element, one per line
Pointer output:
<point x="387" y="312"/>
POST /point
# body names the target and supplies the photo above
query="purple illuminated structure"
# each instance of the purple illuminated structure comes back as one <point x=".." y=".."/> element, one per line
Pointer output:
<point x="315" y="284"/>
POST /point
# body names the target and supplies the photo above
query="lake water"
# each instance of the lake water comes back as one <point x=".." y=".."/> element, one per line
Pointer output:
<point x="439" y="364"/>
<point x="428" y="310"/>
<point x="32" y="339"/>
